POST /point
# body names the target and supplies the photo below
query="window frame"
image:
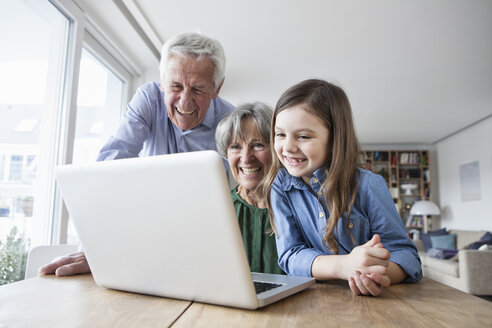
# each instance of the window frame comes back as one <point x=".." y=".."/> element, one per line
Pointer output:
<point x="83" y="34"/>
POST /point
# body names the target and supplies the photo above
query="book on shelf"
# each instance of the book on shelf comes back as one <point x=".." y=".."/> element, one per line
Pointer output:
<point x="403" y="158"/>
<point x="426" y="175"/>
<point x="409" y="158"/>
<point x="425" y="159"/>
<point x="380" y="156"/>
<point x="415" y="221"/>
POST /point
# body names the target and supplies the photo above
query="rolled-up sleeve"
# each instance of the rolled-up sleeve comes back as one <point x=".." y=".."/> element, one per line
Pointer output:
<point x="386" y="222"/>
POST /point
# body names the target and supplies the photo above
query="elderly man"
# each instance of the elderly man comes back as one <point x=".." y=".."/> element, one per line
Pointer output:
<point x="182" y="113"/>
<point x="179" y="115"/>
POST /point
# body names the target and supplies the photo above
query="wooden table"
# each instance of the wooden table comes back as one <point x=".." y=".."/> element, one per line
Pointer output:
<point x="77" y="302"/>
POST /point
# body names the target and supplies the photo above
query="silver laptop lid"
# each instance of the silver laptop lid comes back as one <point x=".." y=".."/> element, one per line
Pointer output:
<point x="161" y="225"/>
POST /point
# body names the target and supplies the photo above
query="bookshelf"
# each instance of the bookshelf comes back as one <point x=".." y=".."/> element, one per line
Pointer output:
<point x="407" y="174"/>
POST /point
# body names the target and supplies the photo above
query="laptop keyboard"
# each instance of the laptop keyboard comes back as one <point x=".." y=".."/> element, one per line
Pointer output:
<point x="261" y="286"/>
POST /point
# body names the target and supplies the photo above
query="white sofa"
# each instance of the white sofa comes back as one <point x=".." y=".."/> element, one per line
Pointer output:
<point x="472" y="273"/>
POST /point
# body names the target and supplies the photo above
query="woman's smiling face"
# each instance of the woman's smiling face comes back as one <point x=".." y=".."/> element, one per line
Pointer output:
<point x="249" y="157"/>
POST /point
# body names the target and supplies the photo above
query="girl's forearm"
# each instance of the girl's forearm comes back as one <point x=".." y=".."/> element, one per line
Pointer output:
<point x="326" y="267"/>
<point x="396" y="273"/>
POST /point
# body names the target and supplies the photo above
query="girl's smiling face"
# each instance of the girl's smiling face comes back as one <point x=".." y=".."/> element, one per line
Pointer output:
<point x="301" y="142"/>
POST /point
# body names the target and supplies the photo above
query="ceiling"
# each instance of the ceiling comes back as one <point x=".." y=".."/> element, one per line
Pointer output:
<point x="415" y="71"/>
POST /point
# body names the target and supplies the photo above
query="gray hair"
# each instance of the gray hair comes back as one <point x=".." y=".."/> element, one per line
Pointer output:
<point x="196" y="46"/>
<point x="229" y="127"/>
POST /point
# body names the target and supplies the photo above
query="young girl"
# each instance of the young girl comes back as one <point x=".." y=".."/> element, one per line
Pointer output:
<point x="332" y="219"/>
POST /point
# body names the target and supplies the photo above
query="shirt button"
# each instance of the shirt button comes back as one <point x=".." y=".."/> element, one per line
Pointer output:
<point x="315" y="180"/>
<point x="321" y="214"/>
<point x="320" y="193"/>
<point x="351" y="225"/>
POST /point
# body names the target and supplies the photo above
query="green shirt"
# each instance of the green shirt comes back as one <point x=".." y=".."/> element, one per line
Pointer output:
<point x="255" y="228"/>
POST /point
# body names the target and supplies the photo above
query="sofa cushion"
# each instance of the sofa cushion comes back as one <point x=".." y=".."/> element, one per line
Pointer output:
<point x="440" y="253"/>
<point x="485" y="240"/>
<point x="466" y="237"/>
<point x="425" y="237"/>
<point x="444" y="241"/>
<point x="485" y="248"/>
<point x="447" y="267"/>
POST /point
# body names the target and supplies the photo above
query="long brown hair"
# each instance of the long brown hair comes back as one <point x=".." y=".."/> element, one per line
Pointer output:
<point x="330" y="104"/>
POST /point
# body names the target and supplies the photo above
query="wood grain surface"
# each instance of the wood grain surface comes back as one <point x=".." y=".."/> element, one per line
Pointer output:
<point x="78" y="302"/>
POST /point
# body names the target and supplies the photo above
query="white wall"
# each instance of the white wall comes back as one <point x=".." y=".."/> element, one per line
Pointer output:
<point x="152" y="75"/>
<point x="471" y="144"/>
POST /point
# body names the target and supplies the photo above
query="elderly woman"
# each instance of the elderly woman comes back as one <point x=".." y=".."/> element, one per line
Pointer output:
<point x="243" y="138"/>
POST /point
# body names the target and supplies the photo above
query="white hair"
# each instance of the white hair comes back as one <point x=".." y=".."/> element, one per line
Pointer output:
<point x="196" y="46"/>
<point x="229" y="128"/>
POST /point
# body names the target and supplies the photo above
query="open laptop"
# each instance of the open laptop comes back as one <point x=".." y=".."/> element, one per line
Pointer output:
<point x="165" y="225"/>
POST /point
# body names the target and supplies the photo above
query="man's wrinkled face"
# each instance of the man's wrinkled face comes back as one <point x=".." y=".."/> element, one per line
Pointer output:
<point x="188" y="89"/>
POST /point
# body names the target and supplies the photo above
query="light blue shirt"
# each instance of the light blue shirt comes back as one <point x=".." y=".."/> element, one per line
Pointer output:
<point x="300" y="221"/>
<point x="146" y="129"/>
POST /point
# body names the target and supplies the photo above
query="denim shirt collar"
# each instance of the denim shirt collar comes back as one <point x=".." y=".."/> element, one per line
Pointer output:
<point x="317" y="180"/>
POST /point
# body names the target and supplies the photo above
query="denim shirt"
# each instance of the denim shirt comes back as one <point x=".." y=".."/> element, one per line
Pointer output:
<point x="146" y="129"/>
<point x="300" y="221"/>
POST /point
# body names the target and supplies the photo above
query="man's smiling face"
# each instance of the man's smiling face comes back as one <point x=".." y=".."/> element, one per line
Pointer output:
<point x="188" y="89"/>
